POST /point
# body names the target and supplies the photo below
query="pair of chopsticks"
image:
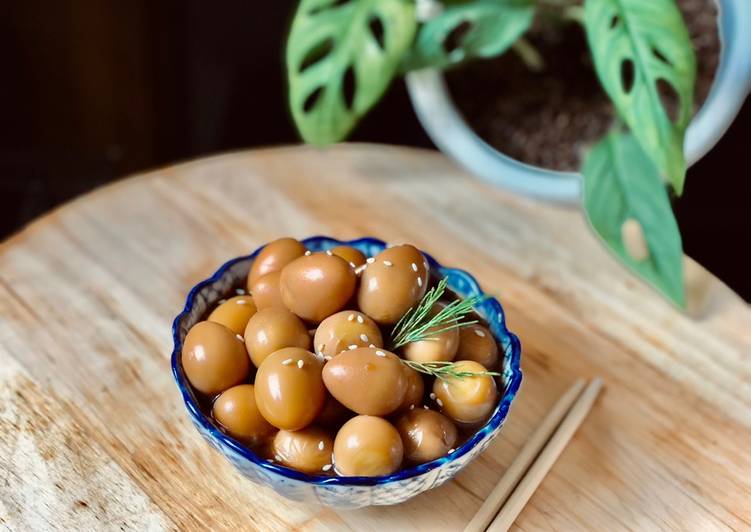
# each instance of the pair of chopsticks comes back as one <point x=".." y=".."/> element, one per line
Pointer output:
<point x="506" y="501"/>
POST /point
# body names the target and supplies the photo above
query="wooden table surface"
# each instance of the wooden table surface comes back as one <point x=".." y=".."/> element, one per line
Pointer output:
<point x="93" y="434"/>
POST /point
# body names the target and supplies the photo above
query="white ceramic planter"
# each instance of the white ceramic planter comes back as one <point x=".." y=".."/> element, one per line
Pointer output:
<point x="448" y="130"/>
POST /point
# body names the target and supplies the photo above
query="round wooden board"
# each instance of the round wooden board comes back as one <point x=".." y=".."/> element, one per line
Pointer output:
<point x="93" y="432"/>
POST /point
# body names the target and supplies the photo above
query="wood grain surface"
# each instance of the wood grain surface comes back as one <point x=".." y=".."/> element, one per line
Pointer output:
<point x="93" y="434"/>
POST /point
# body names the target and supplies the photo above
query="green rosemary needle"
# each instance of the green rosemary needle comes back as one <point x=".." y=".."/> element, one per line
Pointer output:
<point x="417" y="323"/>
<point x="445" y="370"/>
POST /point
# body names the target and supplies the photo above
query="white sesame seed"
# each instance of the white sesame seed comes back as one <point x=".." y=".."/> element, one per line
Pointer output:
<point x="388" y="263"/>
<point x="419" y="281"/>
<point x="451" y="450"/>
<point x="479" y="333"/>
<point x="412" y="407"/>
<point x="287" y="362"/>
<point x="300" y="363"/>
<point x="426" y="407"/>
<point x="353" y="346"/>
<point x="372" y="345"/>
<point x="328" y="252"/>
<point x="352" y="264"/>
<point x="360" y="319"/>
<point x="350" y="317"/>
<point x="307" y="253"/>
<point x="326" y="467"/>
<point x="439" y="402"/>
<point x="380" y="353"/>
<point x="414" y="267"/>
<point x="221" y="301"/>
<point x="278" y="458"/>
<point x="364" y="337"/>
<point x="370" y="260"/>
<point x="432" y="396"/>
<point x="240" y="337"/>
<point x="239" y="291"/>
<point x="321" y="445"/>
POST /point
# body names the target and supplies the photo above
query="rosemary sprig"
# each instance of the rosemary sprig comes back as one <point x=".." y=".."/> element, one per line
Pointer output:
<point x="445" y="370"/>
<point x="417" y="323"/>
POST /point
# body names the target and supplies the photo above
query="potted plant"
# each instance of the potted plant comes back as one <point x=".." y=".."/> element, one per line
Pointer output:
<point x="342" y="55"/>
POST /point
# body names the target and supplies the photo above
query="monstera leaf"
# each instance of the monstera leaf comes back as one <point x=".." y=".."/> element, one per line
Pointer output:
<point x="638" y="45"/>
<point x="463" y="30"/>
<point x="341" y="57"/>
<point x="625" y="199"/>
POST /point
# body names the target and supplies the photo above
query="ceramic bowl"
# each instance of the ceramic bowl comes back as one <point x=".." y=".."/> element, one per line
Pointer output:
<point x="345" y="492"/>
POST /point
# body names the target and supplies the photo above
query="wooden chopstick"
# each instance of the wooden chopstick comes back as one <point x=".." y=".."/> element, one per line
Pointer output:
<point x="547" y="457"/>
<point x="521" y="463"/>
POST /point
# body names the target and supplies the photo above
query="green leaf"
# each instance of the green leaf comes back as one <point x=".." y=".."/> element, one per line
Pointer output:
<point x="334" y="45"/>
<point x="650" y="36"/>
<point x="481" y="28"/>
<point x="622" y="185"/>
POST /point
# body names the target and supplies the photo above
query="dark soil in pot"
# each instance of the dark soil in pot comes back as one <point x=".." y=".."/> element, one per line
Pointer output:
<point x="547" y="118"/>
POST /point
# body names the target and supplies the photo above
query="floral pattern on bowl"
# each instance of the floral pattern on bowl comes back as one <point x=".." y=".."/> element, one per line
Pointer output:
<point x="345" y="492"/>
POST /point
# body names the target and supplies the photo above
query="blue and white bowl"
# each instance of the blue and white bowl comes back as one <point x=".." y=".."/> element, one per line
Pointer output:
<point x="345" y="492"/>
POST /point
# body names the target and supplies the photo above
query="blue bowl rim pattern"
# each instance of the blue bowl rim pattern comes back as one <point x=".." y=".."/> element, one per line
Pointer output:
<point x="495" y="421"/>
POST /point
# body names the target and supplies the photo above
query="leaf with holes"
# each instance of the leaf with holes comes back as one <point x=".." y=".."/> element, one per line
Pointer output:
<point x="463" y="30"/>
<point x="341" y="57"/>
<point x="641" y="49"/>
<point x="628" y="206"/>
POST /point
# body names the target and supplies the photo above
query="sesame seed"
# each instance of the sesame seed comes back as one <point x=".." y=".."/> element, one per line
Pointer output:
<point x="426" y="407"/>
<point x="239" y="291"/>
<point x="352" y="264"/>
<point x="380" y="353"/>
<point x="419" y="281"/>
<point x="321" y="445"/>
<point x="350" y="317"/>
<point x="412" y="407"/>
<point x="414" y="267"/>
<point x="360" y="319"/>
<point x="388" y="263"/>
<point x="300" y="363"/>
<point x="372" y="345"/>
<point x="364" y="337"/>
<point x="328" y="252"/>
<point x="439" y="402"/>
<point x="221" y="301"/>
<point x="241" y="302"/>
<point x="353" y="346"/>
<point x="239" y="337"/>
<point x="451" y="450"/>
<point x="278" y="458"/>
<point x="326" y="467"/>
<point x="370" y="260"/>
<point x="307" y="253"/>
<point x="432" y="396"/>
<point x="479" y="333"/>
<point x="287" y="362"/>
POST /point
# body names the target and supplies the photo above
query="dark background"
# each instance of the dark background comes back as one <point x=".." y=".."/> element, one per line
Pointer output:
<point x="96" y="90"/>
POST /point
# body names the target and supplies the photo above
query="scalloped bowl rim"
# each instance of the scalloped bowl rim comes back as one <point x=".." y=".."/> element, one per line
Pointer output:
<point x="493" y="424"/>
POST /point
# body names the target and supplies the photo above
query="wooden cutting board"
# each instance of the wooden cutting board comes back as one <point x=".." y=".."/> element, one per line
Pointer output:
<point x="93" y="434"/>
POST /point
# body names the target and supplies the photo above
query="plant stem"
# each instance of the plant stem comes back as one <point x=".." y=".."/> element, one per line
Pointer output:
<point x="446" y="370"/>
<point x="528" y="54"/>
